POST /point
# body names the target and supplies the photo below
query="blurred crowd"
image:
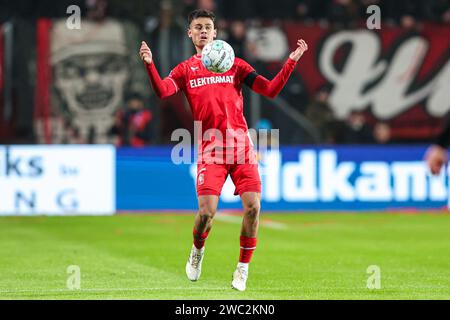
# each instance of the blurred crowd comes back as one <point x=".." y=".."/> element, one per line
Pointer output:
<point x="340" y="11"/>
<point x="142" y="120"/>
<point x="337" y="11"/>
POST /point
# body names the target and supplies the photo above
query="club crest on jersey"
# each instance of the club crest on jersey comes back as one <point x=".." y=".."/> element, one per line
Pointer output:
<point x="199" y="82"/>
<point x="201" y="178"/>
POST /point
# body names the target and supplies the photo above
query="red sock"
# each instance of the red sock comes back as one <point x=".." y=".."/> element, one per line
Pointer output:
<point x="248" y="245"/>
<point x="199" y="238"/>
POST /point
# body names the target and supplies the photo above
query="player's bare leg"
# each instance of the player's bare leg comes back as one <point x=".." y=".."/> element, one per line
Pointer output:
<point x="249" y="231"/>
<point x="207" y="209"/>
<point x="203" y="223"/>
<point x="251" y="204"/>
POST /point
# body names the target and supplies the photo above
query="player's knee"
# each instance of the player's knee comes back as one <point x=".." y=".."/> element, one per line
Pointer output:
<point x="252" y="209"/>
<point x="206" y="213"/>
<point x="205" y="220"/>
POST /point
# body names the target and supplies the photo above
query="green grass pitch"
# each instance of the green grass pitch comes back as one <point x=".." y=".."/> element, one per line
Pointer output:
<point x="299" y="256"/>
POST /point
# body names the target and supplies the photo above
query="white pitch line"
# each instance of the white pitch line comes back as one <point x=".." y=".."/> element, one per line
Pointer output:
<point x="101" y="290"/>
<point x="274" y="225"/>
<point x="238" y="220"/>
<point x="228" y="218"/>
<point x="307" y="290"/>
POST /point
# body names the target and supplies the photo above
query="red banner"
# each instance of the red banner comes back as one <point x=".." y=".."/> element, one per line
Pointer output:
<point x="1" y="64"/>
<point x="4" y="128"/>
<point x="43" y="81"/>
<point x="394" y="75"/>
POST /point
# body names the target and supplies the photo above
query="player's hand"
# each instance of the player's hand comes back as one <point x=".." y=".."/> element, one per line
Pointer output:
<point x="302" y="47"/>
<point x="436" y="157"/>
<point x="145" y="53"/>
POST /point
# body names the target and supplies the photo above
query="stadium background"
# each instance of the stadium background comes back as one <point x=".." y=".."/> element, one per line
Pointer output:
<point x="359" y="110"/>
<point x="82" y="133"/>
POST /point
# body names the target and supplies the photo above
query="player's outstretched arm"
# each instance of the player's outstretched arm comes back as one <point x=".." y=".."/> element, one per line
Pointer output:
<point x="271" y="88"/>
<point x="297" y="53"/>
<point x="163" y="88"/>
<point x="145" y="53"/>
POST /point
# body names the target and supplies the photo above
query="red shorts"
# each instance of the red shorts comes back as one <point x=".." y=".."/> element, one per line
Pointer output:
<point x="211" y="178"/>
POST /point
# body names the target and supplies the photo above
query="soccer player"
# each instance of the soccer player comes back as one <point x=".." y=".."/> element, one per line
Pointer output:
<point x="216" y="102"/>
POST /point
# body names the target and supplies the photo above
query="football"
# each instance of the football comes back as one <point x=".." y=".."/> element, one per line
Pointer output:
<point x="218" y="56"/>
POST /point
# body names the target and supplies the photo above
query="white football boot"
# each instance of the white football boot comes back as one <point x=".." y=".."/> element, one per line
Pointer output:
<point x="194" y="264"/>
<point x="240" y="276"/>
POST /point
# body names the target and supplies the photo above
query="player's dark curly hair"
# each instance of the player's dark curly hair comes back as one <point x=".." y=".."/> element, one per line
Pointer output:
<point x="201" y="13"/>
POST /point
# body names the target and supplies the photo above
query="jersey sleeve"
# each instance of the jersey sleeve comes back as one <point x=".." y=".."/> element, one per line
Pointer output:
<point x="244" y="70"/>
<point x="168" y="86"/>
<point x="177" y="76"/>
<point x="271" y="88"/>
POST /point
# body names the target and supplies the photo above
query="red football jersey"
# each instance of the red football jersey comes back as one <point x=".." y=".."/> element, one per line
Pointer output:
<point x="216" y="101"/>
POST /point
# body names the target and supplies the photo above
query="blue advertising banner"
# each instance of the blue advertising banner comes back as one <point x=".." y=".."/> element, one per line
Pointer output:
<point x="293" y="178"/>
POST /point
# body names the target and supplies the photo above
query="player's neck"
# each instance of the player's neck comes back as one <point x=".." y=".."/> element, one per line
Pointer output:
<point x="199" y="51"/>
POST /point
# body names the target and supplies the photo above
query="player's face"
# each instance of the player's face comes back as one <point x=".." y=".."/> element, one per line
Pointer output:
<point x="202" y="31"/>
